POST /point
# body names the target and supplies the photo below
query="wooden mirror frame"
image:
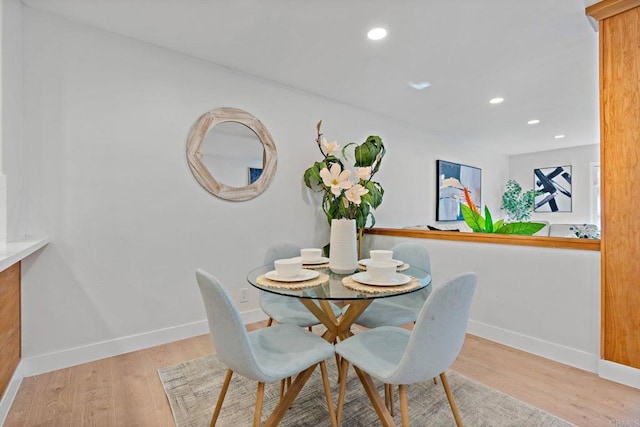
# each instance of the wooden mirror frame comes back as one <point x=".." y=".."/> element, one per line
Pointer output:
<point x="196" y="138"/>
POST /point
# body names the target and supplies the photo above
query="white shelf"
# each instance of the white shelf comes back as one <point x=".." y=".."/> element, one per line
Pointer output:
<point x="10" y="253"/>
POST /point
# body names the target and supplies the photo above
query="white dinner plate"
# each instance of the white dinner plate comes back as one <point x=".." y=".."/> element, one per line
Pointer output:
<point x="322" y="260"/>
<point x="396" y="280"/>
<point x="301" y="277"/>
<point x="367" y="261"/>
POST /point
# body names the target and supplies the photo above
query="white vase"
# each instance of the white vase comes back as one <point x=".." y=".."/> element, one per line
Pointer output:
<point x="343" y="250"/>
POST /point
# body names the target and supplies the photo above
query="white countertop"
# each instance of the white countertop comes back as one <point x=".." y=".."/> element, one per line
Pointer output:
<point x="10" y="253"/>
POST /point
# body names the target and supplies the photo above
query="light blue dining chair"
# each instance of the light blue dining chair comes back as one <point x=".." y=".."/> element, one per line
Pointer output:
<point x="266" y="355"/>
<point x="284" y="309"/>
<point x="400" y="357"/>
<point x="396" y="311"/>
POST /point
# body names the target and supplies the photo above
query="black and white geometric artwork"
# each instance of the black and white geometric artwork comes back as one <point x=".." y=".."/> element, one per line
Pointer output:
<point x="555" y="184"/>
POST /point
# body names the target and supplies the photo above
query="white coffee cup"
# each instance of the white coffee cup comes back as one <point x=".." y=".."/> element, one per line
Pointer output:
<point x="310" y="254"/>
<point x="381" y="255"/>
<point x="381" y="271"/>
<point x="288" y="267"/>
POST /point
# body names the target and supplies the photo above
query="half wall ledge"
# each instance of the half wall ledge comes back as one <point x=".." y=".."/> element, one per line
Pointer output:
<point x="495" y="239"/>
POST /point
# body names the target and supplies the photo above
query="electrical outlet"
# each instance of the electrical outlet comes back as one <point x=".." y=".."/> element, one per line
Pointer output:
<point x="243" y="295"/>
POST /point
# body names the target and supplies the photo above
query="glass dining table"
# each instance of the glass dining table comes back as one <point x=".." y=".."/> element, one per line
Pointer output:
<point x="329" y="286"/>
<point x="322" y="286"/>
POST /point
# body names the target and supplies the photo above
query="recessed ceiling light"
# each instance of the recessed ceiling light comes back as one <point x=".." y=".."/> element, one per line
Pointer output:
<point x="559" y="136"/>
<point x="419" y="85"/>
<point x="496" y="100"/>
<point x="533" y="122"/>
<point x="377" y="33"/>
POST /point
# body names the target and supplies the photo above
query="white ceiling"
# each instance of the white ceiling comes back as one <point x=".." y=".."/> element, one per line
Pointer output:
<point x="540" y="55"/>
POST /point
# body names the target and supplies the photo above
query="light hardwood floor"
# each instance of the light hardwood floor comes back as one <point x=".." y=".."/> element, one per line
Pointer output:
<point x="125" y="390"/>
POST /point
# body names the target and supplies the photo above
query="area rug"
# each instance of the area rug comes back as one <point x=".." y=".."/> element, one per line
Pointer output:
<point x="192" y="389"/>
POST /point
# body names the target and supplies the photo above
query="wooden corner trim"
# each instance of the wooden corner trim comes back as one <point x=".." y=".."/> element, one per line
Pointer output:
<point x="608" y="8"/>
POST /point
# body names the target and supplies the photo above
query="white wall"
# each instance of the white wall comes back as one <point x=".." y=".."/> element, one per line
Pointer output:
<point x="105" y="125"/>
<point x="542" y="300"/>
<point x="3" y="180"/>
<point x="521" y="169"/>
<point x="12" y="154"/>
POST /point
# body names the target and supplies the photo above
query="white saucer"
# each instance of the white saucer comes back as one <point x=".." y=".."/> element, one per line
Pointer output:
<point x="396" y="280"/>
<point x="322" y="260"/>
<point x="367" y="261"/>
<point x="301" y="277"/>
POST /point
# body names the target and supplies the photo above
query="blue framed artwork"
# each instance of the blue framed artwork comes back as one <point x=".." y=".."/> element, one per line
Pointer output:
<point x="254" y="174"/>
<point x="554" y="183"/>
<point x="452" y="178"/>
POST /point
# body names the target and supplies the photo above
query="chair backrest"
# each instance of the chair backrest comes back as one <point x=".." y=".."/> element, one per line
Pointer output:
<point x="413" y="254"/>
<point x="281" y="250"/>
<point x="439" y="331"/>
<point x="228" y="332"/>
<point x="278" y="251"/>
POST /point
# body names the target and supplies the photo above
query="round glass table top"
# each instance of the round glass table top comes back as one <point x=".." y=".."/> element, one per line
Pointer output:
<point x="333" y="289"/>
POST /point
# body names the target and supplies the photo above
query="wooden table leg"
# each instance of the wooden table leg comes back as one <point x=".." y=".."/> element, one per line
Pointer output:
<point x="329" y="321"/>
<point x="356" y="308"/>
<point x="341" y="329"/>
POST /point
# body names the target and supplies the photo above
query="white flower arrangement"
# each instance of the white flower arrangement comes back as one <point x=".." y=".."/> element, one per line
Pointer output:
<point x="342" y="197"/>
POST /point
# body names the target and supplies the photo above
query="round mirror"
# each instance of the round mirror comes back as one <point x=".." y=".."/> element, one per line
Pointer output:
<point x="229" y="151"/>
<point x="231" y="154"/>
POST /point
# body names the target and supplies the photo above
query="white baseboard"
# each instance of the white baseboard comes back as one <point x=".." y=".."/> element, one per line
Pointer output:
<point x="619" y="373"/>
<point x="10" y="393"/>
<point x="75" y="356"/>
<point x="559" y="353"/>
<point x="254" y="316"/>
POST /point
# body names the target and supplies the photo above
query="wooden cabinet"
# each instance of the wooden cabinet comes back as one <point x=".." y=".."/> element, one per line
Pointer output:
<point x="9" y="324"/>
<point x="619" y="32"/>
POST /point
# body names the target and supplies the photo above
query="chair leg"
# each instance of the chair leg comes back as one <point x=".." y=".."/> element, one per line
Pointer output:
<point x="343" y="387"/>
<point x="435" y="380"/>
<point x="327" y="393"/>
<point x="404" y="407"/>
<point x="282" y="388"/>
<point x="223" y="393"/>
<point x="392" y="401"/>
<point x="258" y="413"/>
<point x="452" y="402"/>
<point x="338" y="365"/>
<point x="269" y="322"/>
<point x="389" y="398"/>
<point x="387" y="403"/>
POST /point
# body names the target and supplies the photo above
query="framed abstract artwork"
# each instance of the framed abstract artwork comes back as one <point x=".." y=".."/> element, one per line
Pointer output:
<point x="555" y="185"/>
<point x="254" y="174"/>
<point x="452" y="178"/>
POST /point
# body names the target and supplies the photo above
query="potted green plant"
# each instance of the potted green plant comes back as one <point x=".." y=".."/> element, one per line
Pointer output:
<point x="480" y="224"/>
<point x="516" y="204"/>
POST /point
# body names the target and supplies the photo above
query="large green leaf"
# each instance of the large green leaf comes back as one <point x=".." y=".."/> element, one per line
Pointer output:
<point x="367" y="152"/>
<point x="473" y="219"/>
<point x="488" y="221"/>
<point x="312" y="177"/>
<point x="365" y="155"/>
<point x="374" y="196"/>
<point x="520" y="228"/>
